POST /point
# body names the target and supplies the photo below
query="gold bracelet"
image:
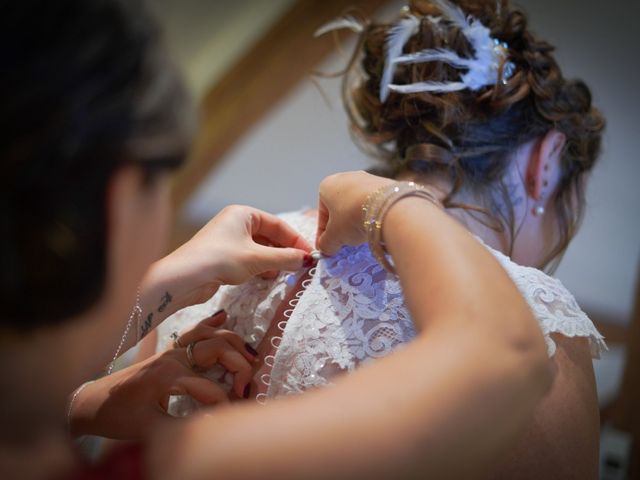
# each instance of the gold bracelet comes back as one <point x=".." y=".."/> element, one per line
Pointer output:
<point x="376" y="208"/>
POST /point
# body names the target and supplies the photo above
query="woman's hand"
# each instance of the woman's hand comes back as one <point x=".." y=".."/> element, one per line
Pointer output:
<point x="213" y="345"/>
<point x="340" y="213"/>
<point x="236" y="245"/>
<point x="243" y="242"/>
<point x="129" y="402"/>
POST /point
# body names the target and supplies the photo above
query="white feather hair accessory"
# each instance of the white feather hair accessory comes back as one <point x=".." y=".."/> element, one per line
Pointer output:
<point x="483" y="68"/>
<point x="396" y="40"/>
<point x="346" y="22"/>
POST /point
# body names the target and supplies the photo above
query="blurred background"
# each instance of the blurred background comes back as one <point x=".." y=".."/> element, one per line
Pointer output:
<point x="271" y="131"/>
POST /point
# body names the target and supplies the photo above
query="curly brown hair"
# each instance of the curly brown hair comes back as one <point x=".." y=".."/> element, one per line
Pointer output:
<point x="470" y="135"/>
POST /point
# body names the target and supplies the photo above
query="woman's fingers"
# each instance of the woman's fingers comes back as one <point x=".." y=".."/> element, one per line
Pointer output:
<point x="216" y="320"/>
<point x="238" y="343"/>
<point x="218" y="350"/>
<point x="342" y="197"/>
<point x="198" y="333"/>
<point x="276" y="231"/>
<point x="208" y="329"/>
<point x="328" y="242"/>
<point x="212" y="345"/>
<point x="270" y="275"/>
<point x="203" y="332"/>
<point x="323" y="220"/>
<point x="201" y="389"/>
<point x="274" y="259"/>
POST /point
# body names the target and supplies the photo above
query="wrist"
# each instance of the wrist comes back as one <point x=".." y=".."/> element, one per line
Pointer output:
<point x="170" y="285"/>
<point x="378" y="206"/>
<point x="77" y="412"/>
<point x="404" y="216"/>
<point x="405" y="212"/>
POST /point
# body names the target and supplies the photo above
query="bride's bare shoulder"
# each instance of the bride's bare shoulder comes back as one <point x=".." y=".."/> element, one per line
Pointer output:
<point x="561" y="442"/>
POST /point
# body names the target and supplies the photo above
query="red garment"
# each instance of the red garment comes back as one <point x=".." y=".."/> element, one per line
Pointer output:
<point x="125" y="463"/>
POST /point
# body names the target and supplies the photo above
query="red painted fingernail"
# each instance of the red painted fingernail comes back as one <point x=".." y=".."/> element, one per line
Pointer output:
<point x="307" y="261"/>
<point x="218" y="313"/>
<point x="247" y="391"/>
<point x="251" y="350"/>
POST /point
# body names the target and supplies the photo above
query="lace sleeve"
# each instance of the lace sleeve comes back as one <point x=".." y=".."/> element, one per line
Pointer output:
<point x="555" y="308"/>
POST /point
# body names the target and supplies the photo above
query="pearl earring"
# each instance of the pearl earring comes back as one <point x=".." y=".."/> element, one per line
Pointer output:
<point x="538" y="211"/>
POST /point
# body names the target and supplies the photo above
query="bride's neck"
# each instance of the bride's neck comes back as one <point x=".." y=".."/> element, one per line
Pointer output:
<point x="477" y="223"/>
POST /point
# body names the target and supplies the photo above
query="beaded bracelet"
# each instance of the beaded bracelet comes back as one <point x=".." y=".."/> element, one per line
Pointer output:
<point x="376" y="208"/>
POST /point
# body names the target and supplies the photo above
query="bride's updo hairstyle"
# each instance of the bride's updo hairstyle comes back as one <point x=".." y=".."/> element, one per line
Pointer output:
<point x="85" y="89"/>
<point x="469" y="135"/>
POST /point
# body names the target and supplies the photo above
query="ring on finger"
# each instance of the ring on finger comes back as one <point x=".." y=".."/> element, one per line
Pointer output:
<point x="176" y="340"/>
<point x="190" y="360"/>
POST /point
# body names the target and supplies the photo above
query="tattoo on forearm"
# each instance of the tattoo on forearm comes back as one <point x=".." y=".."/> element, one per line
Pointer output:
<point x="146" y="326"/>
<point x="166" y="300"/>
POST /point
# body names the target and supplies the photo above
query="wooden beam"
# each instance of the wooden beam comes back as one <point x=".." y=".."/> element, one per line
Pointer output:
<point x="626" y="415"/>
<point x="612" y="330"/>
<point x="276" y="64"/>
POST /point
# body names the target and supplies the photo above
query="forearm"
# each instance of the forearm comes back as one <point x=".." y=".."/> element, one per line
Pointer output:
<point x="163" y="292"/>
<point x="123" y="405"/>
<point x="413" y="414"/>
<point x="223" y="252"/>
<point x="160" y="295"/>
<point x="450" y="280"/>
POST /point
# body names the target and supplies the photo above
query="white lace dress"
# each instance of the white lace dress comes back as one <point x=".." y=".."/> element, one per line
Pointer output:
<point x="349" y="312"/>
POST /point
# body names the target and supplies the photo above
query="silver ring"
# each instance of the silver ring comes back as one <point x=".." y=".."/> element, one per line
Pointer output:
<point x="176" y="340"/>
<point x="190" y="360"/>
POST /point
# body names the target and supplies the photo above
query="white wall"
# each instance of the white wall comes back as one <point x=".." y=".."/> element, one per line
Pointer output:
<point x="598" y="42"/>
<point x="206" y="37"/>
<point x="279" y="164"/>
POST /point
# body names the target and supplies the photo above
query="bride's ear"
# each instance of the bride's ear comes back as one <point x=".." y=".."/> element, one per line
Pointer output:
<point x="543" y="166"/>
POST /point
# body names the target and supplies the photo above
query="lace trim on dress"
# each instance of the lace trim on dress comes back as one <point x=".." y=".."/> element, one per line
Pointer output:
<point x="555" y="308"/>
